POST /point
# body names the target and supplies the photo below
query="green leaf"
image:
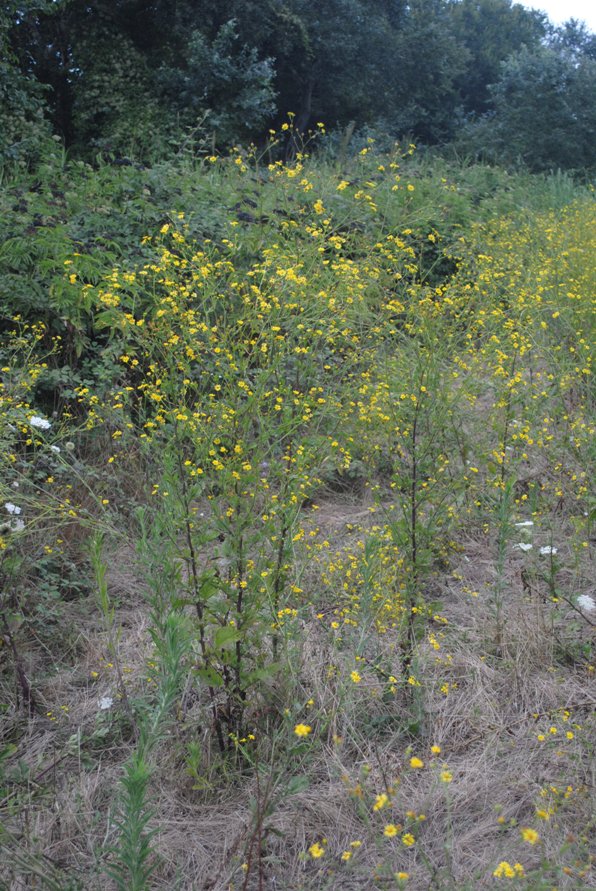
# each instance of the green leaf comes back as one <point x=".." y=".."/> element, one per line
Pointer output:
<point x="209" y="585"/>
<point x="225" y="637"/>
<point x="177" y="603"/>
<point x="109" y="318"/>
<point x="209" y="676"/>
<point x="297" y="784"/>
<point x="261" y="674"/>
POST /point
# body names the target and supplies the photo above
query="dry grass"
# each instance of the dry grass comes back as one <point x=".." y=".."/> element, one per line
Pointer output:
<point x="507" y="683"/>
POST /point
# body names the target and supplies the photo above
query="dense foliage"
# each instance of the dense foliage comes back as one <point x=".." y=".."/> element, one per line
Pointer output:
<point x="132" y="78"/>
<point x="296" y="442"/>
<point x="296" y="527"/>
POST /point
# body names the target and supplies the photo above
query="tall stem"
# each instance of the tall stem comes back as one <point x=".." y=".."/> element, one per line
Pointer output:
<point x="194" y="569"/>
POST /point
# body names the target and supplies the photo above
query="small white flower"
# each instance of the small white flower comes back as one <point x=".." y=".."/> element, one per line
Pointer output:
<point x="105" y="702"/>
<point x="15" y="484"/>
<point x="547" y="550"/>
<point x="524" y="523"/>
<point x="14" y="525"/>
<point x="55" y="449"/>
<point x="587" y="603"/>
<point x="39" y="423"/>
<point x="12" y="508"/>
<point x="523" y="546"/>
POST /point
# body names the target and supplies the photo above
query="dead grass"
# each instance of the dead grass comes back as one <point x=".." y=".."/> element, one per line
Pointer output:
<point x="508" y="681"/>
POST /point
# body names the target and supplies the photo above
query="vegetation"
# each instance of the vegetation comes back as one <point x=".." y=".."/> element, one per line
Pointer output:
<point x="134" y="80"/>
<point x="297" y="522"/>
<point x="296" y="443"/>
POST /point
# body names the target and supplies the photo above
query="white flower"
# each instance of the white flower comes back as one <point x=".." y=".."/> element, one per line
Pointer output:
<point x="523" y="546"/>
<point x="105" y="702"/>
<point x="55" y="449"/>
<point x="40" y="423"/>
<point x="547" y="550"/>
<point x="585" y="602"/>
<point x="14" y="525"/>
<point x="12" y="508"/>
<point x="15" y="485"/>
<point x="525" y="523"/>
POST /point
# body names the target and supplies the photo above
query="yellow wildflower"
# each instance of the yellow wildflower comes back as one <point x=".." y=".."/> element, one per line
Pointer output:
<point x="530" y="835"/>
<point x="302" y="729"/>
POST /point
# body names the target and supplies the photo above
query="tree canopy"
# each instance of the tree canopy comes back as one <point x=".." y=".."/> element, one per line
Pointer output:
<point x="130" y="76"/>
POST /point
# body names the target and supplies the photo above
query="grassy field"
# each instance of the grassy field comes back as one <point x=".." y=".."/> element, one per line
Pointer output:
<point x="298" y="526"/>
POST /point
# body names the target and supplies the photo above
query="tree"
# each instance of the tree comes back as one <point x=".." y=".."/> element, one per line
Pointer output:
<point x="544" y="111"/>
<point x="573" y="40"/>
<point x="126" y="75"/>
<point x="331" y="57"/>
<point x="490" y="31"/>
<point x="24" y="127"/>
<point x="224" y="79"/>
<point x="423" y="73"/>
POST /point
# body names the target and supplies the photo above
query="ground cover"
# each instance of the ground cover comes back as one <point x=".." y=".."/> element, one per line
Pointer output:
<point x="297" y="585"/>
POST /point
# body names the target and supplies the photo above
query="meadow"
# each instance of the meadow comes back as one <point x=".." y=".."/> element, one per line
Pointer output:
<point x="297" y="536"/>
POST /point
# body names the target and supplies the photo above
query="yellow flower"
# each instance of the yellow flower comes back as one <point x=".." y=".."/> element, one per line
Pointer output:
<point x="408" y="839"/>
<point x="530" y="835"/>
<point x="380" y="801"/>
<point x="446" y="776"/>
<point x="402" y="876"/>
<point x="504" y="870"/>
<point x="436" y="750"/>
<point x="302" y="730"/>
<point x="416" y="762"/>
<point x="390" y="830"/>
<point x="316" y="850"/>
<point x="355" y="677"/>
